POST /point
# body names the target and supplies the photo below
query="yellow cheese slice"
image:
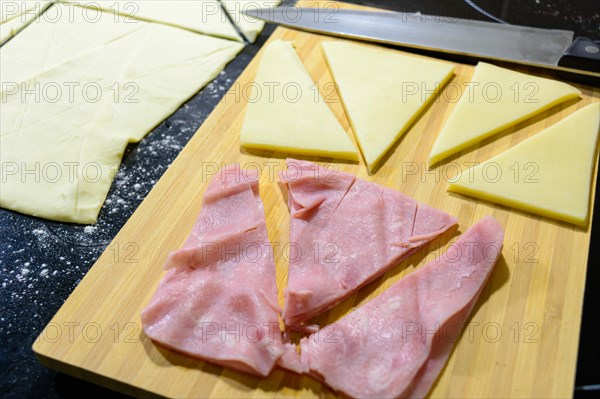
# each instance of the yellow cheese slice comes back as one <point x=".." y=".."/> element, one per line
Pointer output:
<point x="495" y="99"/>
<point x="286" y="112"/>
<point x="383" y="91"/>
<point x="548" y="174"/>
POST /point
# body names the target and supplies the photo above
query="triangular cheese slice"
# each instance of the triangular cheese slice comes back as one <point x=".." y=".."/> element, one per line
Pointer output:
<point x="495" y="99"/>
<point x="218" y="301"/>
<point x="345" y="232"/>
<point x="286" y="112"/>
<point x="383" y="92"/>
<point x="548" y="174"/>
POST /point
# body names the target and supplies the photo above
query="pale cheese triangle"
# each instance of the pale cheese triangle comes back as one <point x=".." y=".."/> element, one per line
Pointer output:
<point x="286" y="112"/>
<point x="383" y="92"/>
<point x="495" y="99"/>
<point x="548" y="174"/>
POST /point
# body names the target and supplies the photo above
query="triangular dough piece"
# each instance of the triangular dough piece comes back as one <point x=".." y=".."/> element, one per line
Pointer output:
<point x="383" y="92"/>
<point x="14" y="16"/>
<point x="74" y="143"/>
<point x="250" y="26"/>
<point x="495" y="99"/>
<point x="396" y="345"/>
<point x="200" y="16"/>
<point x="21" y="9"/>
<point x="218" y="302"/>
<point x="65" y="34"/>
<point x="548" y="174"/>
<point x="345" y="232"/>
<point x="288" y="114"/>
<point x="11" y="27"/>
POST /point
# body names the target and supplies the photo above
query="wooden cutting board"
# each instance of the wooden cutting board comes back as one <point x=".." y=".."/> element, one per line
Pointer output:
<point x="521" y="340"/>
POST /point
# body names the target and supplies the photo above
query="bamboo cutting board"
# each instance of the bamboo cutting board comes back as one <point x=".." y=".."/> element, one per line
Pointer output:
<point x="521" y="340"/>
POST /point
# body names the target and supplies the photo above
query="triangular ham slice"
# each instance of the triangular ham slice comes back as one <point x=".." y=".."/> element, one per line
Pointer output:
<point x="218" y="302"/>
<point x="345" y="232"/>
<point x="397" y="344"/>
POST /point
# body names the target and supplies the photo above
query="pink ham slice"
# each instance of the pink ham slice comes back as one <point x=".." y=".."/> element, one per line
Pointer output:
<point x="397" y="344"/>
<point x="218" y="301"/>
<point x="345" y="232"/>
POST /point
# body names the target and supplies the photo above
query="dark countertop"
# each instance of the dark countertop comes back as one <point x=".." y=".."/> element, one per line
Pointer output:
<point x="41" y="261"/>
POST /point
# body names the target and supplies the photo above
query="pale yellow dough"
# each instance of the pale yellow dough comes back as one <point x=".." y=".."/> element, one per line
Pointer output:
<point x="251" y="27"/>
<point x="383" y="92"/>
<point x="15" y="15"/>
<point x="548" y="174"/>
<point x="201" y="16"/>
<point x="61" y="147"/>
<point x="11" y="27"/>
<point x="10" y="10"/>
<point x="286" y="113"/>
<point x="495" y="99"/>
<point x="66" y="31"/>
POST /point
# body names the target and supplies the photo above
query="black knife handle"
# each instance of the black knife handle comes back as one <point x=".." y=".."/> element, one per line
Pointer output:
<point x="583" y="54"/>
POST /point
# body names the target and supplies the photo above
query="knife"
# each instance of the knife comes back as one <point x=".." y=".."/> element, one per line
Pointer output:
<point x="547" y="48"/>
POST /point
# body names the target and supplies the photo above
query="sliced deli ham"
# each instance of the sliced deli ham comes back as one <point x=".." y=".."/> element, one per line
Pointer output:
<point x="345" y="232"/>
<point x="218" y="302"/>
<point x="397" y="344"/>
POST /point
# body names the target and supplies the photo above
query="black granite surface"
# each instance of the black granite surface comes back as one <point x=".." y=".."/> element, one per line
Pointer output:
<point x="41" y="261"/>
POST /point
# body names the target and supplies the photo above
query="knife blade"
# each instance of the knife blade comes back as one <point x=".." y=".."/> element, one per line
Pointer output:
<point x="547" y="48"/>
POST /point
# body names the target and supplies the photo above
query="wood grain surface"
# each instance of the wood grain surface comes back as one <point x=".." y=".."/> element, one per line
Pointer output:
<point x="522" y="337"/>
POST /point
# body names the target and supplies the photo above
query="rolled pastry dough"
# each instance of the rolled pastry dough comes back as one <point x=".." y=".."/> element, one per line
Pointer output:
<point x="14" y="15"/>
<point x="63" y="32"/>
<point x="251" y="27"/>
<point x="65" y="123"/>
<point x="555" y="166"/>
<point x="201" y="16"/>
